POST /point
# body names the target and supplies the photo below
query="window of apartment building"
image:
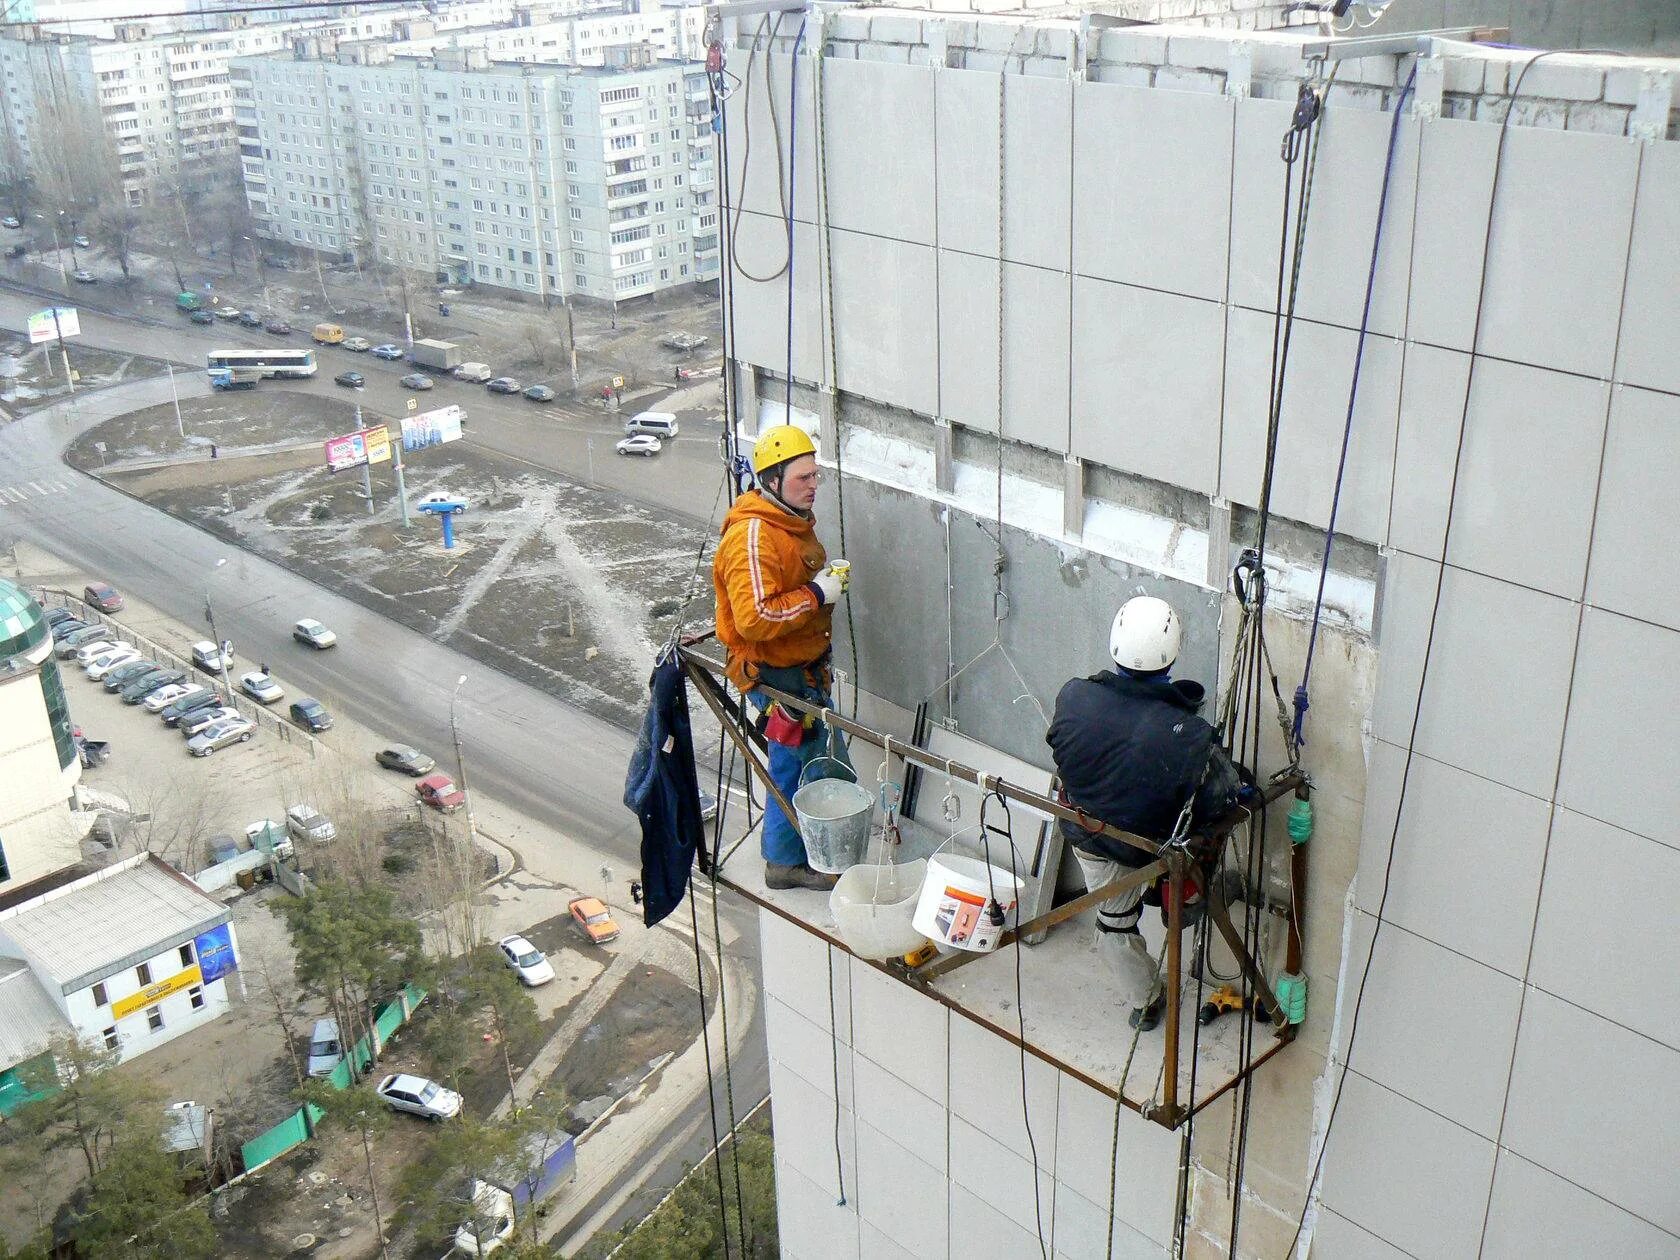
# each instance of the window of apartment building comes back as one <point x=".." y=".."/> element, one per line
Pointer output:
<point x="571" y="146"/>
<point x="577" y="236"/>
<point x="109" y="1036"/>
<point x="143" y="974"/>
<point x="572" y="190"/>
<point x="577" y="213"/>
<point x="154" y="1018"/>
<point x="682" y="247"/>
<point x="664" y="251"/>
<point x="661" y="229"/>
<point x="100" y="998"/>
<point x="664" y="273"/>
<point x="195" y="995"/>
<point x="677" y="180"/>
<point x="186" y="952"/>
<point x="682" y="270"/>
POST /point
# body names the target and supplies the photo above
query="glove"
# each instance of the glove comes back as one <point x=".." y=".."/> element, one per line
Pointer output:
<point x="829" y="587"/>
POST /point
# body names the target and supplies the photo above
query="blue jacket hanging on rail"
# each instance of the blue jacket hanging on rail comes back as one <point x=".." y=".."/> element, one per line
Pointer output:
<point x="664" y="792"/>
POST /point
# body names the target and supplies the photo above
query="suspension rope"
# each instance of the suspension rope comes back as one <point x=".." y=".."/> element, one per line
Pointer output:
<point x="706" y="1045"/>
<point x="792" y="189"/>
<point x="764" y="24"/>
<point x="1301" y="692"/>
<point x="1476" y="355"/>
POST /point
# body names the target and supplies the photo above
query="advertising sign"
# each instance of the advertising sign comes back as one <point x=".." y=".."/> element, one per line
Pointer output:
<point x="154" y="993"/>
<point x="432" y="428"/>
<point x="43" y="328"/>
<point x="352" y="450"/>
<point x="215" y="953"/>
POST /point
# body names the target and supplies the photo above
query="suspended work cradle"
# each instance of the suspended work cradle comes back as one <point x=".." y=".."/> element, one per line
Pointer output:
<point x="703" y="664"/>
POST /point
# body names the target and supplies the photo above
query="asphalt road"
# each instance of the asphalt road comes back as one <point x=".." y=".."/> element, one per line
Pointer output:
<point x="554" y="763"/>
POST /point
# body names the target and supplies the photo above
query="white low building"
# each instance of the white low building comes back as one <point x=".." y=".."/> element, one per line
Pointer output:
<point x="129" y="957"/>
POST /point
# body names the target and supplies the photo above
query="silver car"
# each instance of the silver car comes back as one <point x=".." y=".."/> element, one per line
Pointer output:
<point x="192" y="723"/>
<point x="233" y="730"/>
<point x="419" y="1097"/>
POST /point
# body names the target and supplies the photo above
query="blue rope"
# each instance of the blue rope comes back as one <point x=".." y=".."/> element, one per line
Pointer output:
<point x="1302" y="701"/>
<point x="793" y="187"/>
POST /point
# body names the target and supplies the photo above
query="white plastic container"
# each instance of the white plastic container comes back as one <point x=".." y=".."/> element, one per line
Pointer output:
<point x="873" y="907"/>
<point x="952" y="911"/>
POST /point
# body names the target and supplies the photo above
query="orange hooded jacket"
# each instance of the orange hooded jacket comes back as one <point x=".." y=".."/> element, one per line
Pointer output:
<point x="768" y="610"/>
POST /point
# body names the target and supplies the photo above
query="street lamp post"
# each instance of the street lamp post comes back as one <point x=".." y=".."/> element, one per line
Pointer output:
<point x="58" y="248"/>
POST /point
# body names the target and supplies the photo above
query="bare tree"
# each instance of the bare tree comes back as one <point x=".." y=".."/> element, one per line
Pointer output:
<point x="277" y="985"/>
<point x="181" y="811"/>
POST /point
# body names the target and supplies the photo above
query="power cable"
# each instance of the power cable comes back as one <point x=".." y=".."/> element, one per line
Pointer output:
<point x="1434" y="618"/>
<point x="706" y="1045"/>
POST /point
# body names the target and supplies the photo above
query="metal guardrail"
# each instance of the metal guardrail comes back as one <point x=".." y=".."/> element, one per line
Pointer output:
<point x="265" y="719"/>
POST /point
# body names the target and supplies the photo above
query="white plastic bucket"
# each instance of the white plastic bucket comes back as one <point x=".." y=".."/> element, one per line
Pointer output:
<point x="833" y="820"/>
<point x="952" y="908"/>
<point x="873" y="906"/>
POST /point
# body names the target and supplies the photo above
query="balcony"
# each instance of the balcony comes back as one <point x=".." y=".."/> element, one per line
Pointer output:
<point x="623" y="194"/>
<point x="637" y="148"/>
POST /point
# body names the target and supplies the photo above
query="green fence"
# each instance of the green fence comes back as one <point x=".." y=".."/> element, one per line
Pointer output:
<point x="296" y="1129"/>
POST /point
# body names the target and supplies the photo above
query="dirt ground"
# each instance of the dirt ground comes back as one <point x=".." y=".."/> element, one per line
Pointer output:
<point x="233" y="421"/>
<point x="590" y="580"/>
<point x="33" y="376"/>
<point x="649" y="1020"/>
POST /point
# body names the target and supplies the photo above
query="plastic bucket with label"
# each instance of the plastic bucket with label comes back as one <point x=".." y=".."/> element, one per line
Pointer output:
<point x="955" y="910"/>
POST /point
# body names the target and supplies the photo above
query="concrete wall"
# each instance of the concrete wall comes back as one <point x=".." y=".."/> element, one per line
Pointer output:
<point x="1510" y="1092"/>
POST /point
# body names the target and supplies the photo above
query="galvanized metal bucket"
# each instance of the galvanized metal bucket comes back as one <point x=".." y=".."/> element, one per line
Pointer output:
<point x="833" y="818"/>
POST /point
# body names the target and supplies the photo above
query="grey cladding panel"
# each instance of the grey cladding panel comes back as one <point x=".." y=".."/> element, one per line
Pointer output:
<point x="1455" y="175"/>
<point x="884" y="317"/>
<point x="1342" y="216"/>
<point x="968" y="161"/>
<point x="880" y="159"/>
<point x="1037" y="210"/>
<point x="1146" y="382"/>
<point x="1637" y="534"/>
<point x="968" y="324"/>
<point x="1152" y="197"/>
<point x="1524" y="506"/>
<point x="761" y="306"/>
<point x="1314" y="416"/>
<point x="1652" y="309"/>
<point x="1035" y="382"/>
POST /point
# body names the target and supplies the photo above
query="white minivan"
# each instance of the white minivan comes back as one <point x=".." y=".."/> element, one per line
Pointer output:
<point x="661" y="424"/>
<point x="476" y="373"/>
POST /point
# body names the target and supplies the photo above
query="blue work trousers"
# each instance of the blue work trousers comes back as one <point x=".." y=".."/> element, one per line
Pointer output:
<point x="779" y="840"/>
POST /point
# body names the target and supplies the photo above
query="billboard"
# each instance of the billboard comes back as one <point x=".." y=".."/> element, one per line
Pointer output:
<point x="352" y="450"/>
<point x="154" y="993"/>
<point x="215" y="953"/>
<point x="432" y="428"/>
<point x="42" y="326"/>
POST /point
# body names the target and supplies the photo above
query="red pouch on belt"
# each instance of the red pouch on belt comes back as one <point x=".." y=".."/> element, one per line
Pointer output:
<point x="783" y="728"/>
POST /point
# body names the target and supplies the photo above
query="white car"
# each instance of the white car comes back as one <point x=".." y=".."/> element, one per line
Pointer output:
<point x="90" y="651"/>
<point x="260" y="687"/>
<point x="639" y="444"/>
<point x="314" y="634"/>
<point x="440" y="498"/>
<point x="200" y="719"/>
<point x="489" y="1222"/>
<point x="233" y="730"/>
<point x="419" y="1097"/>
<point x="163" y="697"/>
<point x="526" y="960"/>
<point x="106" y="661"/>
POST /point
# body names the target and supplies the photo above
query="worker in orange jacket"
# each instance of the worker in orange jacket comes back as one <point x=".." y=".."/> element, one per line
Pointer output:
<point x="776" y="593"/>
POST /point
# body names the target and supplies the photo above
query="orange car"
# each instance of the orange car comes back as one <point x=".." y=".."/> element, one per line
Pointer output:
<point x="594" y="918"/>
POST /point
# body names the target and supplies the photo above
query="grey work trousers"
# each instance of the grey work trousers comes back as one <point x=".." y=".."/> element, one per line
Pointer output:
<point x="1118" y="938"/>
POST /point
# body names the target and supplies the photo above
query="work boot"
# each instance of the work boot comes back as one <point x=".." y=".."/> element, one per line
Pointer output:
<point x="1145" y="1018"/>
<point x="802" y="876"/>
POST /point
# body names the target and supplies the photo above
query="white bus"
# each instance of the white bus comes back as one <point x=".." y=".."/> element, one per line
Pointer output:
<point x="277" y="362"/>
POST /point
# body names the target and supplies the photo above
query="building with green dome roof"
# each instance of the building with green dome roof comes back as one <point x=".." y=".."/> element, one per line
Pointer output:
<point x="39" y="762"/>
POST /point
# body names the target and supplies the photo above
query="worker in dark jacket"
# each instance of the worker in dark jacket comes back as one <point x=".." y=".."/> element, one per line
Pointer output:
<point x="1131" y="751"/>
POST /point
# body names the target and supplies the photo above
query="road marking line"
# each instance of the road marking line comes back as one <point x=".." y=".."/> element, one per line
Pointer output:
<point x="13" y="494"/>
<point x="36" y="487"/>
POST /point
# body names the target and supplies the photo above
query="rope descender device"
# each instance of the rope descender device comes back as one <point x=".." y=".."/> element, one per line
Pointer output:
<point x="1307" y="105"/>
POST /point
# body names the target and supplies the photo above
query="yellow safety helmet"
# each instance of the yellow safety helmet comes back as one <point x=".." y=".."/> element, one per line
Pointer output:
<point x="780" y="444"/>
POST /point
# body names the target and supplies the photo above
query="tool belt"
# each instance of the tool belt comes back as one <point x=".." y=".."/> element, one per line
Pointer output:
<point x="778" y="723"/>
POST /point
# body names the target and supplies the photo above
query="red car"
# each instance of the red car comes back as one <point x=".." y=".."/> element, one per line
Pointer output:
<point x="103" y="597"/>
<point x="439" y="791"/>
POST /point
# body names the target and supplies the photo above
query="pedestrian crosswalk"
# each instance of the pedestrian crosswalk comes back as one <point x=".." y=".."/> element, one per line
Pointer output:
<point x="23" y="491"/>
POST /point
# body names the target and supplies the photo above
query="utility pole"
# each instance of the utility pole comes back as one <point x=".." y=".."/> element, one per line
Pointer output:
<point x="461" y="773"/>
<point x="367" y="465"/>
<point x="402" y="487"/>
<point x="571" y="344"/>
<point x="64" y="352"/>
<point x="221" y="647"/>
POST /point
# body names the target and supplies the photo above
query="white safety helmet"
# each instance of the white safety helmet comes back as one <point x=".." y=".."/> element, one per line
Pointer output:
<point x="1145" y="635"/>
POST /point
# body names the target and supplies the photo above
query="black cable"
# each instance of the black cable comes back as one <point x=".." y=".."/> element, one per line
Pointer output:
<point x="1434" y="617"/>
<point x="1020" y="1014"/>
<point x="746" y="153"/>
<point x="706" y="1044"/>
<point x="834" y="1048"/>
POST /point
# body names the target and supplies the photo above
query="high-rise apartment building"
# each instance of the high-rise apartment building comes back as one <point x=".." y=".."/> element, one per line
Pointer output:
<point x="544" y="178"/>
<point x="158" y="97"/>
